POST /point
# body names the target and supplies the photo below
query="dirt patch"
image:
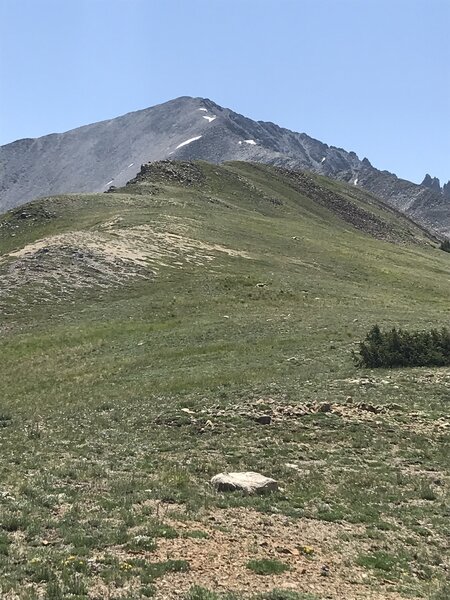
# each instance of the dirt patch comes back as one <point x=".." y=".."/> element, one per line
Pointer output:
<point x="319" y="561"/>
<point x="107" y="257"/>
<point x="139" y="245"/>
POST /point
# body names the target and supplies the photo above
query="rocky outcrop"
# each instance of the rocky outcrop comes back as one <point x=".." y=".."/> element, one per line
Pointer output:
<point x="432" y="182"/>
<point x="167" y="171"/>
<point x="446" y="190"/>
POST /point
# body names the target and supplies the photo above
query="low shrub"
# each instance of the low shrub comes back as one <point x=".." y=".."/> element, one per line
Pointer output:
<point x="445" y="246"/>
<point x="267" y="566"/>
<point x="400" y="348"/>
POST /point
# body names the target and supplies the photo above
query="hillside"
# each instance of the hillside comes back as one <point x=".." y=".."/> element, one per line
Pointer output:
<point x="96" y="156"/>
<point x="199" y="319"/>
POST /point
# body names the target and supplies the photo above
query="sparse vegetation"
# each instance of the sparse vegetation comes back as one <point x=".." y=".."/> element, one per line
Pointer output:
<point x="287" y="595"/>
<point x="267" y="566"/>
<point x="199" y="593"/>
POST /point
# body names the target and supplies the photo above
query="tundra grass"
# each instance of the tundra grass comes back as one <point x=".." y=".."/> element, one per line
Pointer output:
<point x="94" y="382"/>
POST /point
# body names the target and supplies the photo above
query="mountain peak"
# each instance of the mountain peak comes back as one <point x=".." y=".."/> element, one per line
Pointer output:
<point x="431" y="182"/>
<point x="109" y="153"/>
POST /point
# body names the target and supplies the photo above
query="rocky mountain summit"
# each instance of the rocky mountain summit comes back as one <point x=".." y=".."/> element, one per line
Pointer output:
<point x="434" y="184"/>
<point x="431" y="182"/>
<point x="109" y="153"/>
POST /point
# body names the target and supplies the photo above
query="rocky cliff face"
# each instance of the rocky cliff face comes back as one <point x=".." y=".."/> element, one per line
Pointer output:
<point x="109" y="153"/>
<point x="434" y="184"/>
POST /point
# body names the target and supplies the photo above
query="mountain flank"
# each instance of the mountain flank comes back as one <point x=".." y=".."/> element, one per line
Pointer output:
<point x="65" y="261"/>
<point x="109" y="153"/>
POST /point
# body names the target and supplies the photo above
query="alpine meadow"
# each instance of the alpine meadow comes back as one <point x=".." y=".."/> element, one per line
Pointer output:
<point x="203" y="319"/>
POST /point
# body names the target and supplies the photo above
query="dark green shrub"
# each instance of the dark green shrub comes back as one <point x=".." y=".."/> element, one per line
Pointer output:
<point x="445" y="246"/>
<point x="399" y="348"/>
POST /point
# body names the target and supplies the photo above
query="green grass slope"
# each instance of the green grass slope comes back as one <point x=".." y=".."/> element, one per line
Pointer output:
<point x="144" y="331"/>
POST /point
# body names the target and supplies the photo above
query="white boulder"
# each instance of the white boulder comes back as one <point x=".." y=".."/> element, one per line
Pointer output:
<point x="248" y="482"/>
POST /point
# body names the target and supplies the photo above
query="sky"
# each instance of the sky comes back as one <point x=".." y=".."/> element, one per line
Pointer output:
<point x="370" y="76"/>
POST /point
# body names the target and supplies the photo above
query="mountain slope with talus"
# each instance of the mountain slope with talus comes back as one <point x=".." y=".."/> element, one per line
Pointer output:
<point x="109" y="153"/>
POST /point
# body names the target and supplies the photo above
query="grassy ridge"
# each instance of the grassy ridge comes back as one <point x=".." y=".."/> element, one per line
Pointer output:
<point x="93" y="378"/>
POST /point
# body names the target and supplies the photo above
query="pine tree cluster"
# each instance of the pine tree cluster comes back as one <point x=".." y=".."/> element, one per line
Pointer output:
<point x="400" y="348"/>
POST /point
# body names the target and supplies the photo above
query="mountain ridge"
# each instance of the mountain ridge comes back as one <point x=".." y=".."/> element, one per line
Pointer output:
<point x="93" y="157"/>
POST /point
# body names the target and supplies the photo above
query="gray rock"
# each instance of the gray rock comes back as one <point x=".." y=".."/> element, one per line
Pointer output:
<point x="264" y="419"/>
<point x="248" y="482"/>
<point x="446" y="190"/>
<point x="431" y="182"/>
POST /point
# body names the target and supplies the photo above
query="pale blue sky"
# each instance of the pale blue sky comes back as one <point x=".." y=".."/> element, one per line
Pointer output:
<point x="367" y="75"/>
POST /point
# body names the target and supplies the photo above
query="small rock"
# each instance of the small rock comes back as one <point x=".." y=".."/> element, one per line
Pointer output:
<point x="292" y="466"/>
<point x="248" y="482"/>
<point x="394" y="406"/>
<point x="325" y="570"/>
<point x="264" y="419"/>
<point x="369" y="407"/>
<point x="291" y="551"/>
<point x="262" y="401"/>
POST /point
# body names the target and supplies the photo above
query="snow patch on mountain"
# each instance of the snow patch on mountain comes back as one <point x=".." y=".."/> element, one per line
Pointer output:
<point x="210" y="119"/>
<point x="188" y="142"/>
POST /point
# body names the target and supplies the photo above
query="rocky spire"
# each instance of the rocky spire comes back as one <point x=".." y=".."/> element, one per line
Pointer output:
<point x="446" y="189"/>
<point x="432" y="183"/>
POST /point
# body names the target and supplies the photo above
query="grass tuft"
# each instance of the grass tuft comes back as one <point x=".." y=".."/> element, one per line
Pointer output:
<point x="267" y="566"/>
